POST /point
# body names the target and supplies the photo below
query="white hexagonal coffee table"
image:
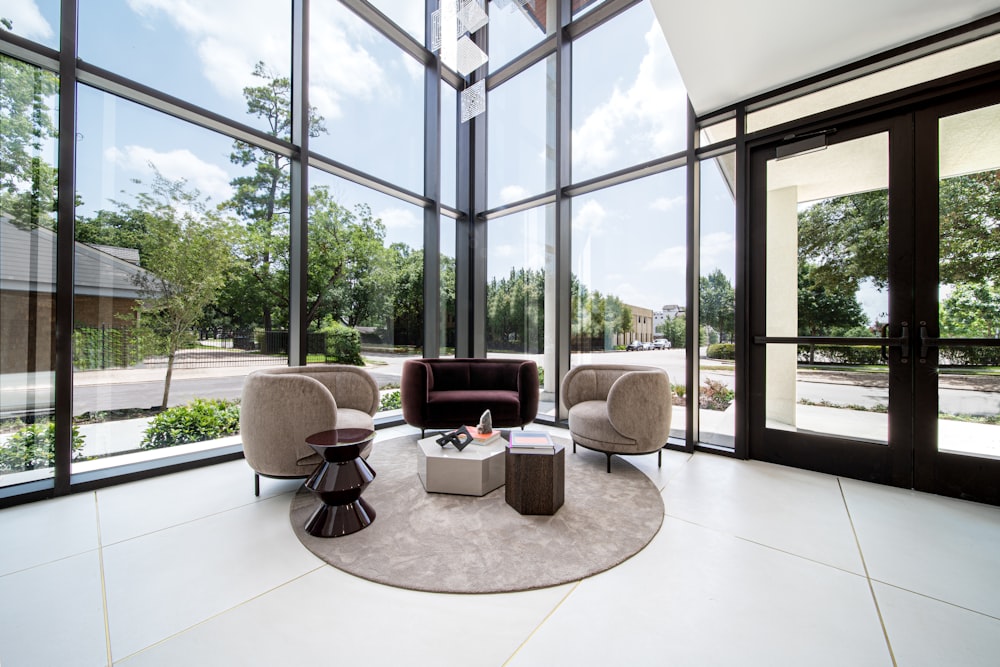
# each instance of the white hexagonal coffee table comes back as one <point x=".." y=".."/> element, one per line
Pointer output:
<point x="474" y="471"/>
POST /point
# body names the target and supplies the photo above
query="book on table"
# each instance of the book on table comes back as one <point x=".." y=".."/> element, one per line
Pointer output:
<point x="536" y="442"/>
<point x="483" y="438"/>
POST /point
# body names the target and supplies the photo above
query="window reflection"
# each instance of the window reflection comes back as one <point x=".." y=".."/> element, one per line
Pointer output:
<point x="27" y="272"/>
<point x="630" y="108"/>
<point x="628" y="279"/>
<point x="207" y="53"/>
<point x="37" y="20"/>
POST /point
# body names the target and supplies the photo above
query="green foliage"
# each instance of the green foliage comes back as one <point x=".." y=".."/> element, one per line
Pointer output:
<point x="33" y="447"/>
<point x="718" y="303"/>
<point x="107" y="347"/>
<point x="721" y="351"/>
<point x="515" y="311"/>
<point x="27" y="180"/>
<point x="201" y="419"/>
<point x="391" y="400"/>
<point x="826" y="310"/>
<point x="867" y="355"/>
<point x="971" y="311"/>
<point x="343" y="344"/>
<point x="675" y="330"/>
<point x="715" y="396"/>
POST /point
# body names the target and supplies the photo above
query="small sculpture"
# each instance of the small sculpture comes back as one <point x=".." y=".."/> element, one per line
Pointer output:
<point x="485" y="423"/>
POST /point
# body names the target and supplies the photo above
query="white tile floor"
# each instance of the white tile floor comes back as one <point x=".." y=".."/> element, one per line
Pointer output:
<point x="755" y="565"/>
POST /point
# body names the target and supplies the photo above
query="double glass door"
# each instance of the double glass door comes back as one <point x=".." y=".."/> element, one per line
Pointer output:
<point x="875" y="300"/>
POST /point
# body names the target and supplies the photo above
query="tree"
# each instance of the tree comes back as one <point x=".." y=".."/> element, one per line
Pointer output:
<point x="262" y="200"/>
<point x="675" y="330"/>
<point x="718" y="302"/>
<point x="972" y="311"/>
<point x="823" y="310"/>
<point x="27" y="181"/>
<point x="188" y="257"/>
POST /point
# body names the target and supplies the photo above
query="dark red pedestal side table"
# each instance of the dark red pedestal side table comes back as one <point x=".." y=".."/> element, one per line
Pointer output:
<point x="536" y="482"/>
<point x="339" y="482"/>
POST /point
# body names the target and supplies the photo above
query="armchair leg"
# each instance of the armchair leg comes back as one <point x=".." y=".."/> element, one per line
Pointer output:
<point x="609" y="462"/>
<point x="256" y="485"/>
<point x="659" y="458"/>
<point x="421" y="434"/>
<point x="574" y="446"/>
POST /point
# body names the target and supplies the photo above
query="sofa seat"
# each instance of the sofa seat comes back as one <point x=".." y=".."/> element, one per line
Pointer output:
<point x="504" y="405"/>
<point x="592" y="428"/>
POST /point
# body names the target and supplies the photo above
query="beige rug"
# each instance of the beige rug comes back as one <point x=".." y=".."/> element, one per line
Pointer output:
<point x="462" y="544"/>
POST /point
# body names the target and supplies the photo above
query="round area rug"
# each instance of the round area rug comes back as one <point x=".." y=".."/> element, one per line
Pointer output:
<point x="465" y="544"/>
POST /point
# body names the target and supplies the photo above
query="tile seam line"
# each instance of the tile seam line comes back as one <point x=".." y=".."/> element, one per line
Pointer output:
<point x="104" y="585"/>
<point x="770" y="547"/>
<point x="221" y="612"/>
<point x="541" y="623"/>
<point x="868" y="578"/>
<point x="936" y="599"/>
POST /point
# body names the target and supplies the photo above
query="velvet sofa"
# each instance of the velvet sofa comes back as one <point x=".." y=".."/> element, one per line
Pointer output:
<point x="448" y="393"/>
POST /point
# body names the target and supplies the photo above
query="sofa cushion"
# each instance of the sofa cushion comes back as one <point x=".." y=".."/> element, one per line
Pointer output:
<point x="466" y="406"/>
<point x="449" y="376"/>
<point x="493" y="376"/>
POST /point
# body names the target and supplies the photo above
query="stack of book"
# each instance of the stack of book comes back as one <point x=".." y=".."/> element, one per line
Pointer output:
<point x="531" y="442"/>
<point x="483" y="438"/>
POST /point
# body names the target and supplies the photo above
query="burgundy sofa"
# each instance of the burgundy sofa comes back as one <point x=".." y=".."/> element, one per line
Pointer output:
<point x="448" y="393"/>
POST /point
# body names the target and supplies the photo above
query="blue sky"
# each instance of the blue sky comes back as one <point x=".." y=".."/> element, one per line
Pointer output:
<point x="626" y="110"/>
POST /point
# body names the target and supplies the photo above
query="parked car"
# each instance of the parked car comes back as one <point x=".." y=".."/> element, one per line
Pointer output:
<point x="661" y="344"/>
<point x="647" y="346"/>
<point x="635" y="346"/>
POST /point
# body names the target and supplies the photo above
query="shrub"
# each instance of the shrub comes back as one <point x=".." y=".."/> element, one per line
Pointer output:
<point x="33" y="447"/>
<point x="343" y="344"/>
<point x="390" y="401"/>
<point x="201" y="419"/>
<point x="721" y="351"/>
<point x="715" y="396"/>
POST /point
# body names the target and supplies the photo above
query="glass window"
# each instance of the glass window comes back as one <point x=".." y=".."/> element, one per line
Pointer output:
<point x="449" y="329"/>
<point x="516" y="27"/>
<point x="717" y="384"/>
<point x="366" y="272"/>
<point x="208" y="53"/>
<point x="37" y="20"/>
<point x="521" y="122"/>
<point x="629" y="268"/>
<point x="630" y="108"/>
<point x="407" y="14"/>
<point x="370" y="95"/>
<point x="27" y="271"/>
<point x="581" y="7"/>
<point x="449" y="145"/>
<point x="520" y="296"/>
<point x="181" y="275"/>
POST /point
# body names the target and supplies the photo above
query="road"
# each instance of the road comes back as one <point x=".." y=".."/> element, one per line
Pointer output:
<point x="144" y="389"/>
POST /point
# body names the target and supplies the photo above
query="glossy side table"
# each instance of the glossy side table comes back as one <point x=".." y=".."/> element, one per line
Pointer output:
<point x="339" y="482"/>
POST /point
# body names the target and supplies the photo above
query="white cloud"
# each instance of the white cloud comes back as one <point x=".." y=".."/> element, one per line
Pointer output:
<point x="512" y="193"/>
<point x="211" y="180"/>
<point x="665" y="204"/>
<point x="230" y="36"/>
<point x="718" y="251"/>
<point x="396" y="219"/>
<point x="672" y="259"/>
<point x="27" y="20"/>
<point x="635" y="116"/>
<point x="590" y="218"/>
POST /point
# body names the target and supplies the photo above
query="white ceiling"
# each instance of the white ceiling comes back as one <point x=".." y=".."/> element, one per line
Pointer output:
<point x="731" y="50"/>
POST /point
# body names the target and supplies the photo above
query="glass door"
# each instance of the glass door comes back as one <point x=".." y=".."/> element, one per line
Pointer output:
<point x="957" y="328"/>
<point x="875" y="300"/>
<point x="831" y="319"/>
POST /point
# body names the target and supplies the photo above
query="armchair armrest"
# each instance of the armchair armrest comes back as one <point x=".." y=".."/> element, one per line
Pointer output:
<point x="639" y="405"/>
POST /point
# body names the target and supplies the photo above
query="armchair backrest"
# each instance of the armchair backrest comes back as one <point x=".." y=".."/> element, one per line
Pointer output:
<point x="593" y="382"/>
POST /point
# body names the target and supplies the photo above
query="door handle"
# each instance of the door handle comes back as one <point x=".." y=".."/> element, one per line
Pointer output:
<point x="903" y="341"/>
<point x="926" y="342"/>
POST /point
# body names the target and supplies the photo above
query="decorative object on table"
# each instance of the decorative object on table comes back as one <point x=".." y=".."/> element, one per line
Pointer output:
<point x="339" y="482"/>
<point x="484" y="438"/>
<point x="535" y="479"/>
<point x="618" y="409"/>
<point x="531" y="442"/>
<point x="282" y="406"/>
<point x="448" y="543"/>
<point x="448" y="393"/>
<point x="473" y="472"/>
<point x="459" y="438"/>
<point x="485" y="423"/>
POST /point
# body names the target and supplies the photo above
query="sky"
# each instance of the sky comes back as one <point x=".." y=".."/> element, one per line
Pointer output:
<point x="628" y="240"/>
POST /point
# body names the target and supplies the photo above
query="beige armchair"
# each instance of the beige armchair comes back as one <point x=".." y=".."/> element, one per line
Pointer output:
<point x="618" y="409"/>
<point x="282" y="406"/>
